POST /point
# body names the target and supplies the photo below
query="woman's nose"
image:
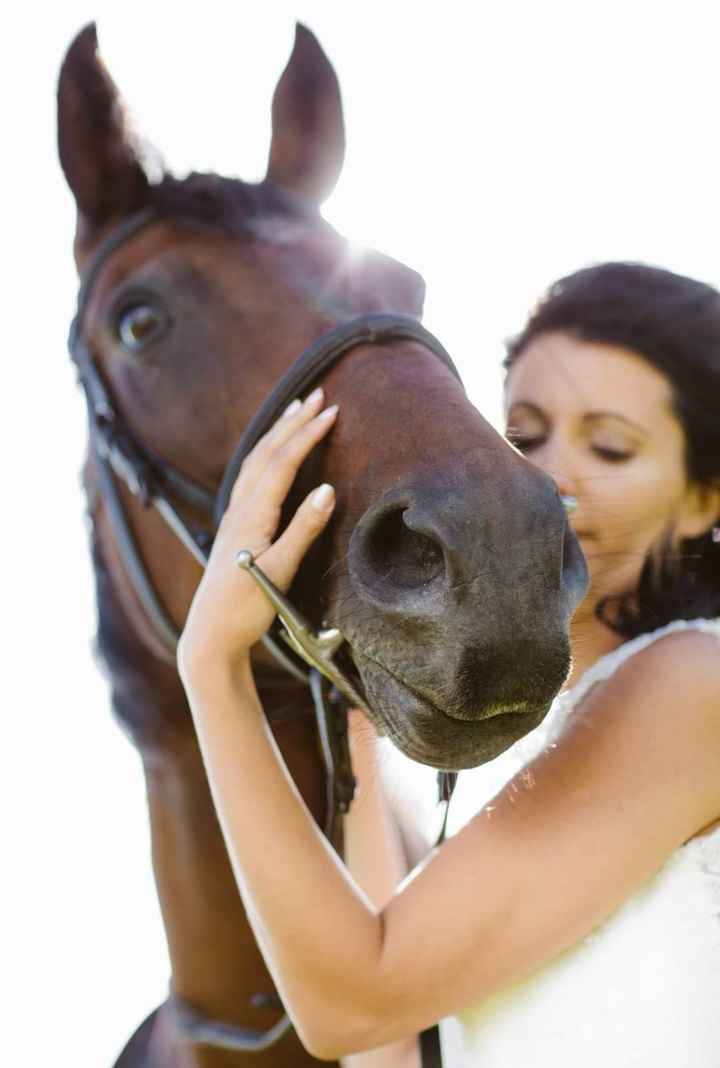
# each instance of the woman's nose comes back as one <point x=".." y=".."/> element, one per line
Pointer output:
<point x="553" y="459"/>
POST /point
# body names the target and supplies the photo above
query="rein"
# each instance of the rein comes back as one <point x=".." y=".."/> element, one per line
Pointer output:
<point x="156" y="483"/>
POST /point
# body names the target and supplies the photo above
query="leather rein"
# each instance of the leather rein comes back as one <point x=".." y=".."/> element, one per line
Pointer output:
<point x="294" y="644"/>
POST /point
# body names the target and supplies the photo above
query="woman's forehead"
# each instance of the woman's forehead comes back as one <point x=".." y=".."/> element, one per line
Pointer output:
<point x="558" y="372"/>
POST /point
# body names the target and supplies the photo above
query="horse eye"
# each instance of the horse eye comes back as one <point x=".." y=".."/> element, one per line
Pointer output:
<point x="138" y="325"/>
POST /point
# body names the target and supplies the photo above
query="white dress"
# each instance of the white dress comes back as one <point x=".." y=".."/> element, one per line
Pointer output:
<point x="643" y="990"/>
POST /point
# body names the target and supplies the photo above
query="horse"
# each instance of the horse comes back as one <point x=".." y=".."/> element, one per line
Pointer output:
<point x="449" y="567"/>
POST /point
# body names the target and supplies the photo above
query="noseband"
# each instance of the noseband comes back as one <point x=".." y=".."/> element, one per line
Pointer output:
<point x="155" y="482"/>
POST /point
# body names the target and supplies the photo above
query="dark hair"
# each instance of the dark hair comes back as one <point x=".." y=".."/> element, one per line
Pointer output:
<point x="673" y="322"/>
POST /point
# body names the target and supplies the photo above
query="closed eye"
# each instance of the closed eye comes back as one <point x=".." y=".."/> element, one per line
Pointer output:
<point x="523" y="442"/>
<point x="613" y="456"/>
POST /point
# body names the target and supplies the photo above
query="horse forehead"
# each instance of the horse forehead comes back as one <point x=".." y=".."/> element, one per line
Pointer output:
<point x="298" y="252"/>
<point x="162" y="249"/>
<point x="199" y="257"/>
<point x="296" y="249"/>
<point x="195" y="265"/>
<point x="321" y="266"/>
<point x="280" y="230"/>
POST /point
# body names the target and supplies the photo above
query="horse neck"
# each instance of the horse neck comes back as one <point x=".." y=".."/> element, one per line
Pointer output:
<point x="215" y="964"/>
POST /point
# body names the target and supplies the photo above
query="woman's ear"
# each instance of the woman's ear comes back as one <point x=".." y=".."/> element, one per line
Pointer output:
<point x="701" y="510"/>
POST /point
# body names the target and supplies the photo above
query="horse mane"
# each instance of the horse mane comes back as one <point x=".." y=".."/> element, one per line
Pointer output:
<point x="225" y="203"/>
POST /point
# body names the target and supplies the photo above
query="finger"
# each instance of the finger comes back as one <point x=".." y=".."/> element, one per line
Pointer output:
<point x="281" y="561"/>
<point x="296" y="415"/>
<point x="283" y="467"/>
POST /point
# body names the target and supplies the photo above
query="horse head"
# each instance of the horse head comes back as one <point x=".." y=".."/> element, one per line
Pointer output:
<point x="449" y="566"/>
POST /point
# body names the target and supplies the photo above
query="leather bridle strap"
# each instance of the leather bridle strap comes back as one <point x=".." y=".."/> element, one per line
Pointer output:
<point x="311" y="365"/>
<point x="202" y="1029"/>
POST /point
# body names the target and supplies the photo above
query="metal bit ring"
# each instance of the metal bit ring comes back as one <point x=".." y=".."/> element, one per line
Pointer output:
<point x="316" y="647"/>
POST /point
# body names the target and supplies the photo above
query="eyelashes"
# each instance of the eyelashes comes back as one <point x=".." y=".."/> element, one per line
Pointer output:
<point x="613" y="456"/>
<point x="526" y="443"/>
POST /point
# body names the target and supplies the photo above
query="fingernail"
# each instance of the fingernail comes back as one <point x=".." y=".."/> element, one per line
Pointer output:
<point x="292" y="407"/>
<point x="314" y="396"/>
<point x="328" y="413"/>
<point x="323" y="497"/>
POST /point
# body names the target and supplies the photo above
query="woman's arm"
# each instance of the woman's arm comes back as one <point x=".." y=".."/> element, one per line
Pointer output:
<point x="373" y="846"/>
<point x="559" y="849"/>
<point x="375" y="858"/>
<point x="635" y="774"/>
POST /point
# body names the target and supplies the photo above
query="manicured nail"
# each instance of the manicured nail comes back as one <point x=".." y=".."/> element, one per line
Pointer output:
<point x="316" y="395"/>
<point x="323" y="497"/>
<point x="292" y="407"/>
<point x="328" y="413"/>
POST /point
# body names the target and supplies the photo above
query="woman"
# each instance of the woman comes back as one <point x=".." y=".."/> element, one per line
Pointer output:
<point x="544" y="923"/>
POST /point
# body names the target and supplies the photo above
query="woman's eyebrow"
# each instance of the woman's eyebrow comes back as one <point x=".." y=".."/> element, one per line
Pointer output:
<point x="591" y="417"/>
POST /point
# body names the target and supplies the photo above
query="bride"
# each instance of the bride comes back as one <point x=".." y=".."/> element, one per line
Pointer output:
<point x="574" y="920"/>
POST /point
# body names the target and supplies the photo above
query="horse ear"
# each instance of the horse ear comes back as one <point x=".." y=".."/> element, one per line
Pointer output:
<point x="96" y="149"/>
<point x="308" y="132"/>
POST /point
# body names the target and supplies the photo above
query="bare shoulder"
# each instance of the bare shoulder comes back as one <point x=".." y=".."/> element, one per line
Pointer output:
<point x="656" y="721"/>
<point x="693" y="646"/>
<point x="679" y="672"/>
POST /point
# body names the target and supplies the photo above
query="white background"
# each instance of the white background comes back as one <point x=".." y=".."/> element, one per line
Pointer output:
<point x="492" y="146"/>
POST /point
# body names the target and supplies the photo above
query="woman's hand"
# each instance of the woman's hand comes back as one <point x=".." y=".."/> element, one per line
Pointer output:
<point x="229" y="613"/>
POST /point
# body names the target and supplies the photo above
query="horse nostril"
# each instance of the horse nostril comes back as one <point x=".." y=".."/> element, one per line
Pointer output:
<point x="407" y="558"/>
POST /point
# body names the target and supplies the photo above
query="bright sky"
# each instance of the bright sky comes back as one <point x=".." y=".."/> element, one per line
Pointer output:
<point x="492" y="146"/>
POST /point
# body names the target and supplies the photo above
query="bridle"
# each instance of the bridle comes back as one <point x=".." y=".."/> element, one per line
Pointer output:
<point x="154" y="482"/>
